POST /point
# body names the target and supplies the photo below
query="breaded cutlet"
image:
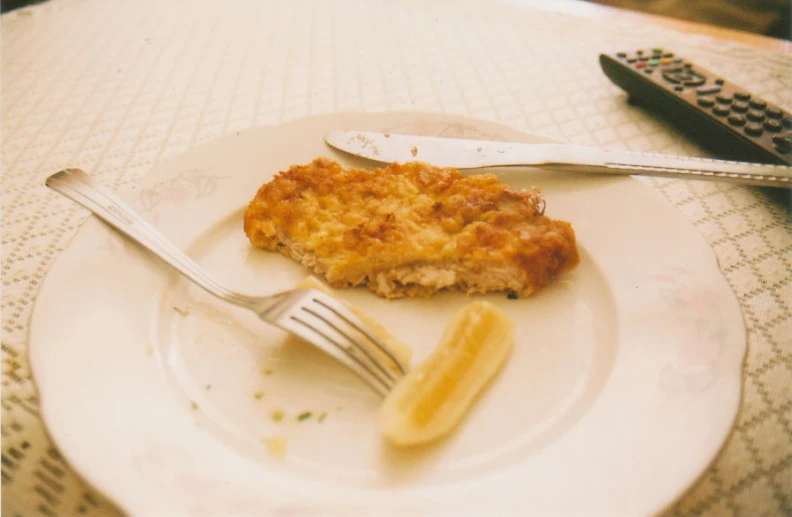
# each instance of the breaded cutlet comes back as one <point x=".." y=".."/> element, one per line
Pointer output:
<point x="411" y="229"/>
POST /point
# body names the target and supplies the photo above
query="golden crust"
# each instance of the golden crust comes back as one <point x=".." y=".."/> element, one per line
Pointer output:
<point x="410" y="229"/>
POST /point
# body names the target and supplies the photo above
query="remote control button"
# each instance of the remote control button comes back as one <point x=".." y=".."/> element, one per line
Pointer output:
<point x="666" y="61"/>
<point x="640" y="64"/>
<point x="756" y="116"/>
<point x="705" y="102"/>
<point x="719" y="82"/>
<point x="754" y="129"/>
<point x="678" y="88"/>
<point x="743" y="96"/>
<point x="657" y="50"/>
<point x="648" y="70"/>
<point x="736" y="120"/>
<point x="721" y="110"/>
<point x="654" y="62"/>
<point x="687" y="65"/>
<point x="643" y="58"/>
<point x="787" y="122"/>
<point x="632" y="60"/>
<point x="639" y="52"/>
<point x="697" y="82"/>
<point x="740" y="106"/>
<point x="670" y="54"/>
<point x="774" y="112"/>
<point x="758" y="104"/>
<point x="621" y="54"/>
<point x="783" y="143"/>
<point x="706" y="90"/>
<point x="677" y="61"/>
<point x="724" y="99"/>
<point x="773" y="126"/>
<point x="671" y="77"/>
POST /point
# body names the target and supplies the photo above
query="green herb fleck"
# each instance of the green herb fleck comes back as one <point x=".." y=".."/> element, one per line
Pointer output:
<point x="305" y="415"/>
<point x="322" y="416"/>
<point x="277" y="415"/>
<point x="258" y="395"/>
<point x="194" y="405"/>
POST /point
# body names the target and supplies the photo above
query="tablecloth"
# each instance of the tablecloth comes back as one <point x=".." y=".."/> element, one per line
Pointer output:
<point x="117" y="87"/>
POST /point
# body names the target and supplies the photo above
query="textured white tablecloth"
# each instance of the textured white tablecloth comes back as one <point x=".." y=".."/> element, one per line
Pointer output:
<point x="117" y="87"/>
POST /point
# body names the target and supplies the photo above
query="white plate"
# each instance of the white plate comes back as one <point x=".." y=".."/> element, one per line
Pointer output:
<point x="623" y="384"/>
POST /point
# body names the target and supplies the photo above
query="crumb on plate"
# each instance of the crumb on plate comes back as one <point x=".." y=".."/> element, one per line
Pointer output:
<point x="276" y="446"/>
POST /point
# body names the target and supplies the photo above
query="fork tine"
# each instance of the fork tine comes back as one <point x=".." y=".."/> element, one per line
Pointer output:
<point x="349" y="326"/>
<point x="337" y="308"/>
<point x="347" y="354"/>
<point x="345" y="336"/>
<point x="323" y="320"/>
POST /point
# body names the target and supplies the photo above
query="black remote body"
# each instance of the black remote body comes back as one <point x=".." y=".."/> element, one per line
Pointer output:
<point x="719" y="115"/>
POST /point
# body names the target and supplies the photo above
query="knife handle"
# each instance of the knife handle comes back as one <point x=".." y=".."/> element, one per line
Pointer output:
<point x="592" y="160"/>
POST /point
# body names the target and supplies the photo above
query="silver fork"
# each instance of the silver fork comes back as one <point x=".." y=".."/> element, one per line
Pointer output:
<point x="309" y="313"/>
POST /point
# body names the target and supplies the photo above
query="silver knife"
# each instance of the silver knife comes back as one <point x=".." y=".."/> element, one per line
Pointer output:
<point x="479" y="154"/>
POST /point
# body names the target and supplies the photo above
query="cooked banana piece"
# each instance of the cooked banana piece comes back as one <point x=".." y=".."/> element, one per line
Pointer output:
<point x="432" y="399"/>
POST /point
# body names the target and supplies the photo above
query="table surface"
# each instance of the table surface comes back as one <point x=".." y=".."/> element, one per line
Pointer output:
<point x="116" y="88"/>
<point x="604" y="12"/>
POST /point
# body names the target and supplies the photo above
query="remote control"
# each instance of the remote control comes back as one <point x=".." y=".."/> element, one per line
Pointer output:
<point x="719" y="115"/>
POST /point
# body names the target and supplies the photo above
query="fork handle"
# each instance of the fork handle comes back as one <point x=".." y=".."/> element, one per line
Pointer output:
<point x="78" y="186"/>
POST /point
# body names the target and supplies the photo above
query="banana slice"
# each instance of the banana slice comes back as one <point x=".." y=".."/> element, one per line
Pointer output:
<point x="433" y="398"/>
<point x="399" y="350"/>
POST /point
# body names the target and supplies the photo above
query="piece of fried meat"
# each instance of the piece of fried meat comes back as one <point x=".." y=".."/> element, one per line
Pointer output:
<point x="411" y="229"/>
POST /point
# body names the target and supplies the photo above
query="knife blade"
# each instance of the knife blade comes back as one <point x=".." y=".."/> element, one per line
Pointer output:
<point x="480" y="154"/>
